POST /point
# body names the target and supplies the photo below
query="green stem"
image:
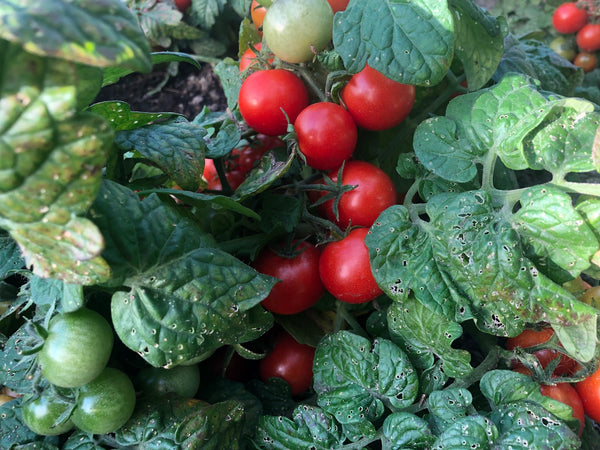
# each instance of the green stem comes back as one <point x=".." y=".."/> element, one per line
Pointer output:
<point x="490" y="362"/>
<point x="311" y="82"/>
<point x="580" y="188"/>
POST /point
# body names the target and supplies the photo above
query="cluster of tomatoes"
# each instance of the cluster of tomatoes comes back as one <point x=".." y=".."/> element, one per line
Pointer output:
<point x="583" y="396"/>
<point x="578" y="19"/>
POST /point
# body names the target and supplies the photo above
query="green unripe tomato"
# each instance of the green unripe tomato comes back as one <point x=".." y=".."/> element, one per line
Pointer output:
<point x="41" y="414"/>
<point x="564" y="47"/>
<point x="76" y="349"/>
<point x="105" y="404"/>
<point x="293" y="28"/>
<point x="181" y="380"/>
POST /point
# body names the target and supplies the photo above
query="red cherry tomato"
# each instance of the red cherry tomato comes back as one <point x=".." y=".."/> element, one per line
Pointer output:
<point x="183" y="5"/>
<point x="346" y="271"/>
<point x="589" y="391"/>
<point x="263" y="96"/>
<point x="588" y="38"/>
<point x="568" y="18"/>
<point x="564" y="392"/>
<point x="338" y="5"/>
<point x="291" y="361"/>
<point x="300" y="286"/>
<point x="376" y="102"/>
<point x="248" y="59"/>
<point x="257" y="13"/>
<point x="587" y="61"/>
<point x="361" y="206"/>
<point x="531" y="337"/>
<point x="327" y="135"/>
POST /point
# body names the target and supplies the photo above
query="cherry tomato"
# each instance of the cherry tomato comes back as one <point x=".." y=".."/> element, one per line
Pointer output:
<point x="564" y="48"/>
<point x="568" y="18"/>
<point x="181" y="380"/>
<point x="300" y="286"/>
<point x="295" y="30"/>
<point x="589" y="392"/>
<point x="346" y="271"/>
<point x="248" y="59"/>
<point x="338" y="5"/>
<point x="183" y="5"/>
<point x="234" y="177"/>
<point x="257" y="12"/>
<point x="376" y="102"/>
<point x="104" y="404"/>
<point x="591" y="296"/>
<point x="587" y="61"/>
<point x="77" y="348"/>
<point x="263" y="96"/>
<point x="529" y="338"/>
<point x="588" y="38"/>
<point x="42" y="413"/>
<point x="564" y="392"/>
<point x="291" y="361"/>
<point x="327" y="135"/>
<point x="374" y="192"/>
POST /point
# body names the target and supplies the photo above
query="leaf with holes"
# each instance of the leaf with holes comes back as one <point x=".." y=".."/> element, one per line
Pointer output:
<point x="448" y="405"/>
<point x="425" y="334"/>
<point x="475" y="431"/>
<point x="405" y="430"/>
<point x="356" y="380"/>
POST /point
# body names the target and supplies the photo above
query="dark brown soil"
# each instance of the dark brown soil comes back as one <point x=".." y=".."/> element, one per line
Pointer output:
<point x="186" y="93"/>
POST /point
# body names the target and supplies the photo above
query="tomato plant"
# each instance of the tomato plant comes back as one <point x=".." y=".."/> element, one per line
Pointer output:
<point x="300" y="286"/>
<point x="569" y="18"/>
<point x="104" y="404"/>
<point x="326" y="135"/>
<point x="76" y="349"/>
<point x="374" y="192"/>
<point x="588" y="38"/>
<point x="269" y="98"/>
<point x="376" y="102"/>
<point x="291" y="361"/>
<point x="345" y="270"/>
<point x="294" y="31"/>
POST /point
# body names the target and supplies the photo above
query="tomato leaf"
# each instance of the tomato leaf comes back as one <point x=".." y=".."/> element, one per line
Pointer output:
<point x="479" y="41"/>
<point x="17" y="368"/>
<point x="309" y="427"/>
<point x="204" y="13"/>
<point x="177" y="147"/>
<point x="71" y="31"/>
<point x="475" y="431"/>
<point x="418" y="51"/>
<point x="425" y="334"/>
<point x="122" y="118"/>
<point x="405" y="430"/>
<point x="229" y="74"/>
<point x="10" y="255"/>
<point x="80" y="440"/>
<point x="448" y="405"/>
<point x="356" y="380"/>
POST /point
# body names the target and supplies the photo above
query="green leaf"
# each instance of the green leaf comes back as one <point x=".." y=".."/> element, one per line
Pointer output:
<point x="10" y="255"/>
<point x="553" y="227"/>
<point x="94" y="32"/>
<point x="576" y="338"/>
<point x="122" y="118"/>
<point x="275" y="396"/>
<point x="404" y="430"/>
<point x="536" y="59"/>
<point x="229" y="75"/>
<point x="479" y="41"/>
<point x="279" y="212"/>
<point x="185" y="297"/>
<point x="177" y="147"/>
<point x="225" y="140"/>
<point x="310" y="427"/>
<point x="356" y="380"/>
<point x="16" y="369"/>
<point x="411" y="42"/>
<point x="80" y="440"/>
<point x="204" y="13"/>
<point x="424" y="334"/>
<point x="448" y="405"/>
<point x="468" y="432"/>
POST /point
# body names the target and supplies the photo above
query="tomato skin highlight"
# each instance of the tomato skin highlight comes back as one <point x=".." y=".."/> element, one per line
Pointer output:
<point x="346" y="271"/>
<point x="105" y="404"/>
<point x="568" y="18"/>
<point x="263" y="96"/>
<point x="588" y="38"/>
<point x="41" y="413"/>
<point x="327" y="135"/>
<point x="291" y="361"/>
<point x="374" y="192"/>
<point x="567" y="394"/>
<point x="300" y="286"/>
<point x="77" y="348"/>
<point x="376" y="102"/>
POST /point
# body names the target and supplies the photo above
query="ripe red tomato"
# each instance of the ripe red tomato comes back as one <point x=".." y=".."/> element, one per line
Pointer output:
<point x="291" y="361"/>
<point x="589" y="391"/>
<point x="530" y="338"/>
<point x="248" y="59"/>
<point x="257" y="13"/>
<point x="587" y="61"/>
<point x="568" y="18"/>
<point x="327" y="135"/>
<point x="361" y="206"/>
<point x="300" y="286"/>
<point x="376" y="102"/>
<point x="564" y="392"/>
<point x="588" y="38"/>
<point x="338" y="5"/>
<point x="183" y="5"/>
<point x="346" y="271"/>
<point x="263" y="96"/>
